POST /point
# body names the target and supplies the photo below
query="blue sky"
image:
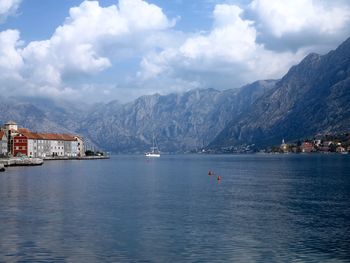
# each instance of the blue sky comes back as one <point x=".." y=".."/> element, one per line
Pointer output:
<point x="106" y="50"/>
<point x="36" y="19"/>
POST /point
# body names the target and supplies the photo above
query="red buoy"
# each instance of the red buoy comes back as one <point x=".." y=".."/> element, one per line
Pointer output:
<point x="219" y="178"/>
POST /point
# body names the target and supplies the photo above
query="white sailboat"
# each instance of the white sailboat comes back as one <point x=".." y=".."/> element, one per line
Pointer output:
<point x="154" y="150"/>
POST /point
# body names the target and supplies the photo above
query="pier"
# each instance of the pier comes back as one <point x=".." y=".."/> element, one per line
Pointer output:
<point x="56" y="158"/>
<point x="19" y="161"/>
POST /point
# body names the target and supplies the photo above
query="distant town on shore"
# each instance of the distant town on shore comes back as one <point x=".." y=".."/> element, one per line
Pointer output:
<point x="21" y="142"/>
<point x="329" y="143"/>
<point x="15" y="142"/>
<point x="338" y="143"/>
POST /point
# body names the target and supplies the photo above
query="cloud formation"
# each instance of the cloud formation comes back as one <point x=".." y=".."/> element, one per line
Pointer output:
<point x="10" y="60"/>
<point x="7" y="8"/>
<point x="80" y="46"/>
<point x="226" y="56"/>
<point x="259" y="40"/>
<point x="284" y="25"/>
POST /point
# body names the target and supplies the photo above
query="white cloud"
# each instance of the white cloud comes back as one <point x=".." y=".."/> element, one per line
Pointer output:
<point x="300" y="23"/>
<point x="85" y="44"/>
<point x="78" y="46"/>
<point x="8" y="7"/>
<point x="10" y="63"/>
<point x="232" y="38"/>
<point x="258" y="41"/>
<point x="10" y="60"/>
<point x="298" y="15"/>
<point x="228" y="55"/>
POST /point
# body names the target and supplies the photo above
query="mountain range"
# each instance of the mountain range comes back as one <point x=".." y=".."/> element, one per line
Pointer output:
<point x="312" y="98"/>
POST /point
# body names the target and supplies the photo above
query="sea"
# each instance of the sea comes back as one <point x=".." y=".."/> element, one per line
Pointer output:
<point x="264" y="208"/>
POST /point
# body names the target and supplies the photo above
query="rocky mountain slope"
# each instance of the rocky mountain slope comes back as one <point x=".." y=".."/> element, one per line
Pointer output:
<point x="180" y="122"/>
<point x="313" y="97"/>
<point x="38" y="115"/>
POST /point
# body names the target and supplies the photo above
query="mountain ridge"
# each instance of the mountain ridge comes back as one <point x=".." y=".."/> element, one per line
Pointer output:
<point x="181" y="122"/>
<point x="311" y="98"/>
<point x="301" y="104"/>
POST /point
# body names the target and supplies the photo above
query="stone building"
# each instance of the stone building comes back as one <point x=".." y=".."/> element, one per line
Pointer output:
<point x="20" y="141"/>
<point x="3" y="143"/>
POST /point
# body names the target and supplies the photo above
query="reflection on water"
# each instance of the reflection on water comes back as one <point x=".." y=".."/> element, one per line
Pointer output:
<point x="285" y="208"/>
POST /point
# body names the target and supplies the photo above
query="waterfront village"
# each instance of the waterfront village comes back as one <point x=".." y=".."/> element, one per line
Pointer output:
<point x="330" y="143"/>
<point x="337" y="143"/>
<point x="15" y="141"/>
<point x="21" y="142"/>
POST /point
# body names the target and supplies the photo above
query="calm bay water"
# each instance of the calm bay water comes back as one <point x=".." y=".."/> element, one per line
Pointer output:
<point x="266" y="208"/>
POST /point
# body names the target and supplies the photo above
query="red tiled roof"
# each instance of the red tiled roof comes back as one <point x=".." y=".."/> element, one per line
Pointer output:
<point x="31" y="135"/>
<point x="68" y="137"/>
<point x="58" y="137"/>
<point x="42" y="136"/>
<point x="51" y="136"/>
<point x="23" y="130"/>
<point x="48" y="136"/>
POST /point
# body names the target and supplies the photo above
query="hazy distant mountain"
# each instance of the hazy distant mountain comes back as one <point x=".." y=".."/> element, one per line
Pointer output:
<point x="180" y="122"/>
<point x="313" y="97"/>
<point x="39" y="114"/>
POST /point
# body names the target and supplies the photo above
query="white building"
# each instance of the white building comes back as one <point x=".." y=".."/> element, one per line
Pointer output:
<point x="80" y="146"/>
<point x="11" y="126"/>
<point x="45" y="145"/>
<point x="3" y="143"/>
<point x="21" y="141"/>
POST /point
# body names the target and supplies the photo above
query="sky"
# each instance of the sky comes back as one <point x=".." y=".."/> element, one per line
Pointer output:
<point x="98" y="51"/>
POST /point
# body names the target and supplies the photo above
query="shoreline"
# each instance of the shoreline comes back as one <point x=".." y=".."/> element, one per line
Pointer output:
<point x="18" y="161"/>
<point x="76" y="158"/>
